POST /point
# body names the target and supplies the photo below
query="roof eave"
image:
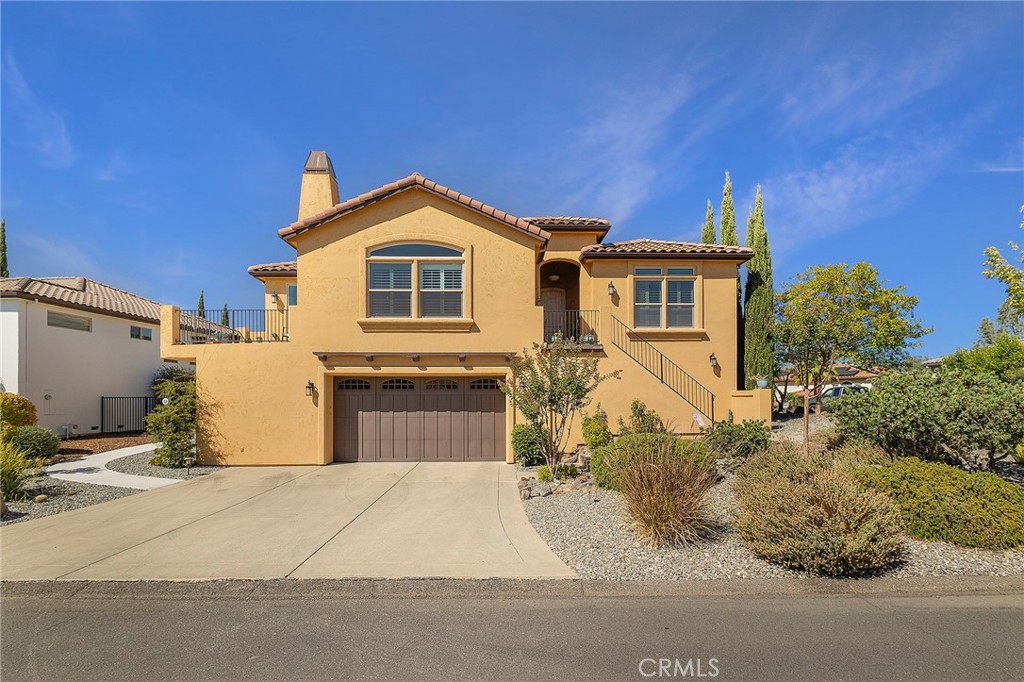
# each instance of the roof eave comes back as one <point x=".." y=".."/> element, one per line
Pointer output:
<point x="36" y="298"/>
<point x="738" y="257"/>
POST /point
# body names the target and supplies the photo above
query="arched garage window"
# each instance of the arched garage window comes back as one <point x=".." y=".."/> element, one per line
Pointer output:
<point x="397" y="385"/>
<point x="430" y="271"/>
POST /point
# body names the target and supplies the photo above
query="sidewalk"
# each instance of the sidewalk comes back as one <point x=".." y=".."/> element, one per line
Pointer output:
<point x="92" y="469"/>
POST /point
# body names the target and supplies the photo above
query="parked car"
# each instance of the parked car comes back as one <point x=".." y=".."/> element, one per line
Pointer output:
<point x="838" y="392"/>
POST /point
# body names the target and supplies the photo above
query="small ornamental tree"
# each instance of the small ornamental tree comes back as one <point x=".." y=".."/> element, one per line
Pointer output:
<point x="1001" y="268"/>
<point x="841" y="312"/>
<point x="201" y="306"/>
<point x="225" y="317"/>
<point x="549" y="386"/>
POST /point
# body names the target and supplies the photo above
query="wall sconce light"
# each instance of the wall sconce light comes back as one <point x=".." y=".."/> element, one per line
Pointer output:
<point x="309" y="388"/>
<point x="273" y="297"/>
<point x="714" y="360"/>
<point x="611" y="289"/>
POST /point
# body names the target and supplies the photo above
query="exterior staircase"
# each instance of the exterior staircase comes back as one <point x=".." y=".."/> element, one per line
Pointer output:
<point x="668" y="372"/>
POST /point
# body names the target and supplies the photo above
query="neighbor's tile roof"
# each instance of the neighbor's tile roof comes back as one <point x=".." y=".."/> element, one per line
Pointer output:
<point x="653" y="248"/>
<point x="82" y="294"/>
<point x="285" y="269"/>
<point x="392" y="188"/>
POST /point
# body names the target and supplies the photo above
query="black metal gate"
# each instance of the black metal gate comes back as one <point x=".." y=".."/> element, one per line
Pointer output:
<point x="125" y="415"/>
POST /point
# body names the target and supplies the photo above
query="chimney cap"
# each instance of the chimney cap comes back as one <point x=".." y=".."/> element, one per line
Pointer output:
<point x="319" y="162"/>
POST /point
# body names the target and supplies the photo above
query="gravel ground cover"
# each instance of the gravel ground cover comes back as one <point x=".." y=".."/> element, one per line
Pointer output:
<point x="61" y="496"/>
<point x="590" y="533"/>
<point x="792" y="425"/>
<point x="139" y="465"/>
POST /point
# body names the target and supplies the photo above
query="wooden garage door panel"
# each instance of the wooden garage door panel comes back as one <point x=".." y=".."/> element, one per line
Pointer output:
<point x="435" y="420"/>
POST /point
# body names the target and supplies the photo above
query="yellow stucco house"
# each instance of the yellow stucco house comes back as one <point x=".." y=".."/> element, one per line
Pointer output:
<point x="387" y="336"/>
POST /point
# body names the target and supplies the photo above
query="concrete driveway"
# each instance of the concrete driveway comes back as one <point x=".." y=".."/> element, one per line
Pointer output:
<point x="346" y="520"/>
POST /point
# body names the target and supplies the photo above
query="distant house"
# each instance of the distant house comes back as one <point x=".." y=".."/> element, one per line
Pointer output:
<point x="845" y="375"/>
<point x="933" y="363"/>
<point x="65" y="342"/>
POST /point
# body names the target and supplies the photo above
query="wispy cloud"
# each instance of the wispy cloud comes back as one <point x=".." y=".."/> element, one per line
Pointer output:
<point x="614" y="158"/>
<point x="52" y="257"/>
<point x="46" y="129"/>
<point x="114" y="169"/>
<point x="866" y="179"/>
<point x="1013" y="162"/>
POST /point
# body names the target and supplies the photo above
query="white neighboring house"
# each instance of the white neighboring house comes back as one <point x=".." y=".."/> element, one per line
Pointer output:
<point x="67" y="341"/>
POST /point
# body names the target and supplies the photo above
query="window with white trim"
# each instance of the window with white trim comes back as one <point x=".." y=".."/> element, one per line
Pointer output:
<point x="664" y="298"/>
<point x="142" y="333"/>
<point x="436" y="270"/>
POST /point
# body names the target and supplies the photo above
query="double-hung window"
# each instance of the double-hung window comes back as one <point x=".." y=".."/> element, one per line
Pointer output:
<point x="664" y="298"/>
<point x="436" y="270"/>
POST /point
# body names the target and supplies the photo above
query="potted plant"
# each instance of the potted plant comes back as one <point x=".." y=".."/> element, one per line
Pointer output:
<point x="761" y="380"/>
<point x="587" y="339"/>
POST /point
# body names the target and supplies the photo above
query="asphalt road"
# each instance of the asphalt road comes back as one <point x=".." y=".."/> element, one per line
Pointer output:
<point x="968" y="637"/>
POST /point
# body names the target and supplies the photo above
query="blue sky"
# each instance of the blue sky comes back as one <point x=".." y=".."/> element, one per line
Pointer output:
<point x="158" y="147"/>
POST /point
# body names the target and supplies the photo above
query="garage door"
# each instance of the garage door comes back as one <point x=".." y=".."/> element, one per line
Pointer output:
<point x="401" y="420"/>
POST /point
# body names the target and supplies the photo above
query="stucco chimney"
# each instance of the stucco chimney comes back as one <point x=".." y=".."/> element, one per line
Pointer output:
<point x="319" y="187"/>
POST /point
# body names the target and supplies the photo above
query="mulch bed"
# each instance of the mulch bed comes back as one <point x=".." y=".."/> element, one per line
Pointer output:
<point x="91" y="445"/>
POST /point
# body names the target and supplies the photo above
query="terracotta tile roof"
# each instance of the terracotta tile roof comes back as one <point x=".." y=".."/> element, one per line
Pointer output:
<point x="569" y="222"/>
<point x="285" y="269"/>
<point x="82" y="294"/>
<point x="392" y="188"/>
<point x="653" y="248"/>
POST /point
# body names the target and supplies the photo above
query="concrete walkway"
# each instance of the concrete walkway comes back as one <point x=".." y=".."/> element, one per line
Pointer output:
<point x="93" y="469"/>
<point x="456" y="520"/>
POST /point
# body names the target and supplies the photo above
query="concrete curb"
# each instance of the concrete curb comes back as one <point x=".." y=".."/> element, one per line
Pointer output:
<point x="502" y="588"/>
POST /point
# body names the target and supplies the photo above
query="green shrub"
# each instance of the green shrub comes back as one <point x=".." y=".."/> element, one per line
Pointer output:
<point x="823" y="523"/>
<point x="739" y="441"/>
<point x="1004" y="358"/>
<point x="526" y="444"/>
<point x="567" y="471"/>
<point x="641" y="420"/>
<point x="596" y="433"/>
<point x="666" y="495"/>
<point x="15" y="471"/>
<point x="36" y="442"/>
<point x="944" y="417"/>
<point x="173" y="424"/>
<point x="1018" y="454"/>
<point x="15" y="410"/>
<point x="544" y="474"/>
<point x="613" y="459"/>
<point x="940" y="502"/>
<point x="784" y="461"/>
<point x="179" y="373"/>
<point x="853" y="455"/>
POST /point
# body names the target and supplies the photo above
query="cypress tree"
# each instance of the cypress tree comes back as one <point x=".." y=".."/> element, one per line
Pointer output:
<point x="758" y="299"/>
<point x="225" y="319"/>
<point x="200" y="307"/>
<point x="4" y="272"/>
<point x="730" y="238"/>
<point x="707" y="235"/>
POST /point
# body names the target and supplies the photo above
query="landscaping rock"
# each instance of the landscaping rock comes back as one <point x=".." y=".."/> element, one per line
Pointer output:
<point x="41" y="498"/>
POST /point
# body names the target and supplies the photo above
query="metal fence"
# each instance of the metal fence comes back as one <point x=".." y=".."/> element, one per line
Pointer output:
<point x="248" y="325"/>
<point x="125" y="414"/>
<point x="579" y="326"/>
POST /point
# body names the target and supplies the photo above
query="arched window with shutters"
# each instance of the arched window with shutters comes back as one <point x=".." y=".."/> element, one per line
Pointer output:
<point x="415" y="280"/>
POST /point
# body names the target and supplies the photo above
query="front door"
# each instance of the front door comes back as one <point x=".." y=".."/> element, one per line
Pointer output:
<point x="553" y="302"/>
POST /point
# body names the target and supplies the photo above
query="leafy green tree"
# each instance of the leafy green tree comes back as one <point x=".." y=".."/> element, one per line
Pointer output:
<point x="999" y="267"/>
<point x="758" y="301"/>
<point x="548" y="387"/>
<point x="225" y="318"/>
<point x="1003" y="357"/>
<point x="4" y="271"/>
<point x="707" y="235"/>
<point x="842" y="312"/>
